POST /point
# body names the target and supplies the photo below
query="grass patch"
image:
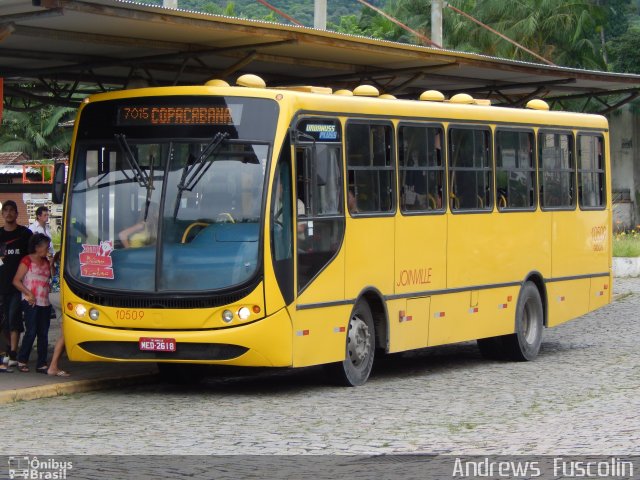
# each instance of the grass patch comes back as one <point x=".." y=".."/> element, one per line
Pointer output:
<point x="626" y="244"/>
<point x="461" y="427"/>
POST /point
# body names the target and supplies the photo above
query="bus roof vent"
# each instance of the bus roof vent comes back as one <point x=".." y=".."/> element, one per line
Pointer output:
<point x="366" y="91"/>
<point x="344" y="93"/>
<point x="216" y="82"/>
<point x="249" y="80"/>
<point x="537" y="104"/>
<point x="462" y="98"/>
<point x="432" y="96"/>
<point x="482" y="101"/>
<point x="387" y="96"/>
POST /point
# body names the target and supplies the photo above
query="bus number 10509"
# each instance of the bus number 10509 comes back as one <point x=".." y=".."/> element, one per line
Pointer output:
<point x="129" y="314"/>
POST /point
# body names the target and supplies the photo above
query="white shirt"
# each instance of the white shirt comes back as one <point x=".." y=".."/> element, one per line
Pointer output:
<point x="35" y="227"/>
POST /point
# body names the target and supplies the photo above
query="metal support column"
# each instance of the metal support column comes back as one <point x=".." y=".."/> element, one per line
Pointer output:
<point x="320" y="14"/>
<point x="436" y="21"/>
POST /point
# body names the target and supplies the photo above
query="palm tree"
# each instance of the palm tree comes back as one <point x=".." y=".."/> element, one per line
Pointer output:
<point x="37" y="133"/>
<point x="566" y="33"/>
<point x="563" y="32"/>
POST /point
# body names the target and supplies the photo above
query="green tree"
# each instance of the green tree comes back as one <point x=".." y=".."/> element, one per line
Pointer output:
<point x="349" y="24"/>
<point x="566" y="33"/>
<point x="37" y="133"/>
<point x="625" y="52"/>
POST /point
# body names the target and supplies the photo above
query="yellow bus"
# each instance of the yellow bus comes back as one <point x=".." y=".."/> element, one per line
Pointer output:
<point x="288" y="227"/>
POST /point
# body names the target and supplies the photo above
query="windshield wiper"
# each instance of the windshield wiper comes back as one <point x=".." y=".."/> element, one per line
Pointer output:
<point x="141" y="176"/>
<point x="144" y="179"/>
<point x="194" y="171"/>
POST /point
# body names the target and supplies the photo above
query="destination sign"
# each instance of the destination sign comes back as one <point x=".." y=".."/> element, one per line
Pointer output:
<point x="178" y="115"/>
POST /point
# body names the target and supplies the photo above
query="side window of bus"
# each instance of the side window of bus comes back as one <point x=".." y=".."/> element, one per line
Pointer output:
<point x="282" y="224"/>
<point x="557" y="175"/>
<point x="370" y="167"/>
<point x="421" y="168"/>
<point x="515" y="170"/>
<point x="470" y="169"/>
<point x="591" y="179"/>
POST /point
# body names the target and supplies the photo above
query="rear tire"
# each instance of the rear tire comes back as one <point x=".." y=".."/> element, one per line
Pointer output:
<point x="524" y="344"/>
<point x="360" y="349"/>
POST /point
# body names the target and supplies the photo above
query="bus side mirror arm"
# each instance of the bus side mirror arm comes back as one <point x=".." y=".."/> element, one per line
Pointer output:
<point x="59" y="184"/>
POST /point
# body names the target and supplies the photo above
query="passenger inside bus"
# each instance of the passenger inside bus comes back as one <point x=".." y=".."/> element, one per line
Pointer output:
<point x="144" y="232"/>
<point x="302" y="226"/>
<point x="352" y="201"/>
<point x="415" y="185"/>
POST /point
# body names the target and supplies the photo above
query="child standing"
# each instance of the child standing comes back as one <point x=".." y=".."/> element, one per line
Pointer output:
<point x="32" y="280"/>
<point x="54" y="299"/>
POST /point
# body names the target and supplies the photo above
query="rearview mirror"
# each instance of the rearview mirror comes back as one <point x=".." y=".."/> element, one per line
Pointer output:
<point x="58" y="188"/>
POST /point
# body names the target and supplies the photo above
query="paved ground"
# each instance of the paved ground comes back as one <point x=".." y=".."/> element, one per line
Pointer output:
<point x="18" y="386"/>
<point x="579" y="397"/>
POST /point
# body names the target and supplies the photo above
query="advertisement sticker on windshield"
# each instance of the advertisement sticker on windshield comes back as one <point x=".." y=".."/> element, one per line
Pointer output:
<point x="95" y="260"/>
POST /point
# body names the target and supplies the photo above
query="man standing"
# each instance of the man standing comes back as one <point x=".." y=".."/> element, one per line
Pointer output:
<point x="14" y="240"/>
<point x="41" y="225"/>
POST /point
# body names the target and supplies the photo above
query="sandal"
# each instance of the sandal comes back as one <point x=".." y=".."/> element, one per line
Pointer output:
<point x="4" y="369"/>
<point x="23" y="367"/>
<point x="43" y="370"/>
<point x="59" y="373"/>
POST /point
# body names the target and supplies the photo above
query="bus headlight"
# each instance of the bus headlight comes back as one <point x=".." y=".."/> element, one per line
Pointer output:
<point x="244" y="313"/>
<point x="227" y="316"/>
<point x="94" y="314"/>
<point x="81" y="310"/>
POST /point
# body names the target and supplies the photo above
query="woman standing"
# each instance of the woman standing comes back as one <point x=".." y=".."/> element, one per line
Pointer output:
<point x="32" y="280"/>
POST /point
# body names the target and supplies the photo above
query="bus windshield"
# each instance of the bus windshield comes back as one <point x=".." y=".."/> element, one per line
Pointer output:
<point x="166" y="214"/>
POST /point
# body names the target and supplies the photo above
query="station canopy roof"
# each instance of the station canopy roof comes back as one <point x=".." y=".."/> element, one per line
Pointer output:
<point x="57" y="51"/>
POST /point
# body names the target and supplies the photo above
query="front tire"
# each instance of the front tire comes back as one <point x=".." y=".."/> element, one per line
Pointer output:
<point x="355" y="369"/>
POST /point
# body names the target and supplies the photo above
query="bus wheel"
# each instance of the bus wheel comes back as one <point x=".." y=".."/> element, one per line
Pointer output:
<point x="180" y="373"/>
<point x="524" y="345"/>
<point x="360" y="349"/>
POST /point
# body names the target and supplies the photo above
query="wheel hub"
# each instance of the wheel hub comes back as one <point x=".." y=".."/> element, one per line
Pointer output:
<point x="359" y="341"/>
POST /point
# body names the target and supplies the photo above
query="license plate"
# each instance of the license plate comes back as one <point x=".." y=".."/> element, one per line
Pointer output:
<point x="157" y="344"/>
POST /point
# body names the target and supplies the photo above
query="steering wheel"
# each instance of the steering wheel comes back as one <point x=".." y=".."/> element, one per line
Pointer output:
<point x="185" y="235"/>
<point x="225" y="217"/>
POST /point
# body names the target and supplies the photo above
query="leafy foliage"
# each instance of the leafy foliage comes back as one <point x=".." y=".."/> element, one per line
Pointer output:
<point x="300" y="10"/>
<point x="36" y="133"/>
<point x="625" y="51"/>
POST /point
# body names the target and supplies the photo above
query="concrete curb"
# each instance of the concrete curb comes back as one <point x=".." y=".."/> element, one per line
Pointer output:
<point x="625" y="267"/>
<point x="76" y="386"/>
<point x="620" y="296"/>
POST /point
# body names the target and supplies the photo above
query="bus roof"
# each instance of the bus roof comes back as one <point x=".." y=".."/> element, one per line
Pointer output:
<point x="366" y="100"/>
